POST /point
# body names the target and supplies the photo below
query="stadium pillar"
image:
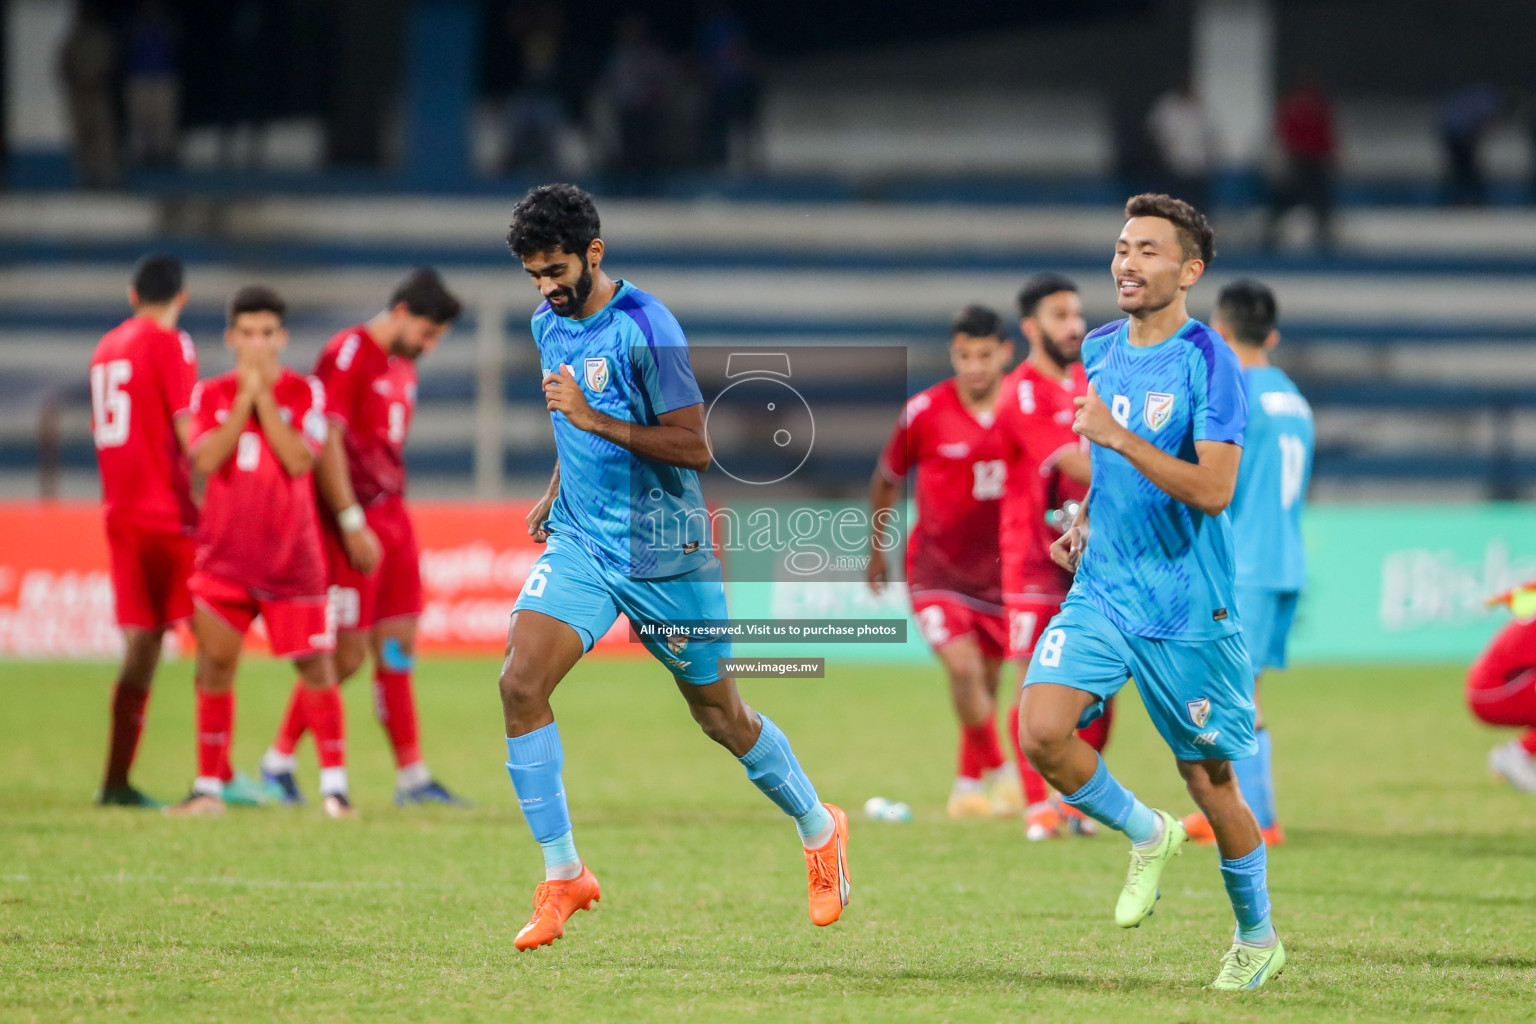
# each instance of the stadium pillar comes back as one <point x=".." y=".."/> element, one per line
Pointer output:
<point x="490" y="397"/>
<point x="1233" y="71"/>
<point x="441" y="47"/>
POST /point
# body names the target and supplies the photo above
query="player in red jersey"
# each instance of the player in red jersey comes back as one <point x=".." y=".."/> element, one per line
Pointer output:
<point x="1047" y="467"/>
<point x="142" y="374"/>
<point x="1501" y="689"/>
<point x="369" y="373"/>
<point x="256" y="434"/>
<point x="954" y="576"/>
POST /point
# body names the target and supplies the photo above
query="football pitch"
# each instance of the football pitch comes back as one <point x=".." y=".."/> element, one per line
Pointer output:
<point x="1406" y="889"/>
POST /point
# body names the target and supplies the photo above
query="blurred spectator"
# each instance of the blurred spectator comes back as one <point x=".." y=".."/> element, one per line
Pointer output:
<point x="536" y="116"/>
<point x="87" y="62"/>
<point x="1465" y="117"/>
<point x="1304" y="129"/>
<point x="731" y="79"/>
<point x="152" y="83"/>
<point x="1185" y="143"/>
<point x="639" y="82"/>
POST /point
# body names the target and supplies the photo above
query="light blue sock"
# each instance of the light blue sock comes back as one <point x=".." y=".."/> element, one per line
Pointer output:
<point x="1104" y="800"/>
<point x="534" y="761"/>
<point x="1253" y="780"/>
<point x="772" y="767"/>
<point x="1247" y="882"/>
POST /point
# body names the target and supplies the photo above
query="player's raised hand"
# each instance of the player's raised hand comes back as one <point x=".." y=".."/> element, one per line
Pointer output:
<point x="1094" y="420"/>
<point x="876" y="573"/>
<point x="249" y="374"/>
<point x="563" y="392"/>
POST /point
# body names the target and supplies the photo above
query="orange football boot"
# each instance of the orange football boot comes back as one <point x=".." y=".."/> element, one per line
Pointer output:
<point x="1042" y="821"/>
<point x="830" y="885"/>
<point x="1076" y="821"/>
<point x="554" y="901"/>
<point x="1199" y="829"/>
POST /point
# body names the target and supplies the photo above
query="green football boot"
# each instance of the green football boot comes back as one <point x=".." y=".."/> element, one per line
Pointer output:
<point x="241" y="791"/>
<point x="1244" y="966"/>
<point x="1141" y="891"/>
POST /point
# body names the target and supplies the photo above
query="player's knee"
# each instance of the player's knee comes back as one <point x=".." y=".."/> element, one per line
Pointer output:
<point x="1042" y="739"/>
<point x="522" y="682"/>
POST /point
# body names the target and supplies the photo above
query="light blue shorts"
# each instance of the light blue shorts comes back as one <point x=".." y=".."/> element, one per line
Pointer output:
<point x="1198" y="693"/>
<point x="1266" y="616"/>
<point x="573" y="585"/>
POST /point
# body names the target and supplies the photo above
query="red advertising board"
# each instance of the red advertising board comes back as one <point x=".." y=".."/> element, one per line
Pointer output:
<point x="56" y="591"/>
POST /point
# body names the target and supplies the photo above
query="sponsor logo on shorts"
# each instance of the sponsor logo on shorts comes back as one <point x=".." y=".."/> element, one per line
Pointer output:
<point x="1158" y="409"/>
<point x="1199" y="711"/>
<point x="1208" y="739"/>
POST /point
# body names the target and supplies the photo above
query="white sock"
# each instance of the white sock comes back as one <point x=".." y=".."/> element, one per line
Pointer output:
<point x="333" y="782"/>
<point x="1157" y="837"/>
<point x="206" y="786"/>
<point x="965" y="785"/>
<point x="414" y="776"/>
<point x="274" y="763"/>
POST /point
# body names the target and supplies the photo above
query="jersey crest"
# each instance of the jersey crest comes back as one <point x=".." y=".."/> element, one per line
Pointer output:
<point x="596" y="373"/>
<point x="1199" y="711"/>
<point x="1158" y="409"/>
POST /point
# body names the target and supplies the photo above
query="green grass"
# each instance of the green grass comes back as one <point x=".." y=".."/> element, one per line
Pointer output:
<point x="1406" y="890"/>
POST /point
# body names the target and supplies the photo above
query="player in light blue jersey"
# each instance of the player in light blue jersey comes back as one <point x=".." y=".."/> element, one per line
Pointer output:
<point x="1266" y="520"/>
<point x="1153" y="596"/>
<point x="626" y="531"/>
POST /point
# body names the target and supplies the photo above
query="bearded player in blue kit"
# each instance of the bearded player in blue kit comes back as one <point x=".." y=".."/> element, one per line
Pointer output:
<point x="629" y="434"/>
<point x="1153" y="596"/>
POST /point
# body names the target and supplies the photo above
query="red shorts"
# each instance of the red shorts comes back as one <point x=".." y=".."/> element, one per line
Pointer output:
<point x="1501" y="684"/>
<point x="296" y="626"/>
<point x="149" y="576"/>
<point x="1028" y="615"/>
<point x="390" y="591"/>
<point x="944" y="618"/>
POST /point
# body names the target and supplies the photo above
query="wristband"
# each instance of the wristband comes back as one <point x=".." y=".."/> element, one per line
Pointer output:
<point x="351" y="519"/>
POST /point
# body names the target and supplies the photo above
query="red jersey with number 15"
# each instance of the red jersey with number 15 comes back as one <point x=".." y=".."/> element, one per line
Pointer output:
<point x="960" y="469"/>
<point x="1034" y="422"/>
<point x="141" y="380"/>
<point x="373" y="396"/>
<point x="259" y="527"/>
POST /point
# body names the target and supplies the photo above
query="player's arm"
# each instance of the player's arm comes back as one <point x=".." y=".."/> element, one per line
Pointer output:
<point x="216" y="445"/>
<point x="334" y="482"/>
<point x="1075" y="464"/>
<point x="540" y="513"/>
<point x="883" y="492"/>
<point x="678" y="440"/>
<point x="1067" y="550"/>
<point x="286" y="441"/>
<point x="1207" y="485"/>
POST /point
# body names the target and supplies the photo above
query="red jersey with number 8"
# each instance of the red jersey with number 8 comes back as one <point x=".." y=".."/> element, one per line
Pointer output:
<point x="961" y="474"/>
<point x="259" y="527"/>
<point x="373" y="396"/>
<point x="142" y="376"/>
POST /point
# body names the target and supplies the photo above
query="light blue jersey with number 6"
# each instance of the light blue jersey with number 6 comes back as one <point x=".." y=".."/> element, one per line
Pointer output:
<point x="1272" y="483"/>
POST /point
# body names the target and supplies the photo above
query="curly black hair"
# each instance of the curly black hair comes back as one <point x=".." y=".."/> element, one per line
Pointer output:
<point x="553" y="218"/>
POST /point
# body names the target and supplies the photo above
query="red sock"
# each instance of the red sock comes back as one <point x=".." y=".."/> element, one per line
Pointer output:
<point x="1528" y="742"/>
<point x="1035" y="789"/>
<point x="127" y="724"/>
<point x="294" y="723"/>
<point x="1096" y="732"/>
<point x="983" y="739"/>
<point x="395" y="703"/>
<point x="323" y="711"/>
<point x="969" y="762"/>
<point x="215" y="725"/>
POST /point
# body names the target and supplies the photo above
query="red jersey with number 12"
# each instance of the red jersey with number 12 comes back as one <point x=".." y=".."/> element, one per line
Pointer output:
<point x="141" y="380"/>
<point x="1034" y="421"/>
<point x="259" y="527"/>
<point x="373" y="396"/>
<point x="960" y="469"/>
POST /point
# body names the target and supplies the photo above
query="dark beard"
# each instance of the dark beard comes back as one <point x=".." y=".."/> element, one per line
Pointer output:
<point x="1053" y="350"/>
<point x="576" y="299"/>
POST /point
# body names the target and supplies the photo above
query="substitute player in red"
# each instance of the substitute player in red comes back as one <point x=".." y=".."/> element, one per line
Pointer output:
<point x="369" y="374"/>
<point x="256" y="434"/>
<point x="1047" y="467"/>
<point x="945" y="434"/>
<point x="142" y="374"/>
<point x="1501" y="689"/>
